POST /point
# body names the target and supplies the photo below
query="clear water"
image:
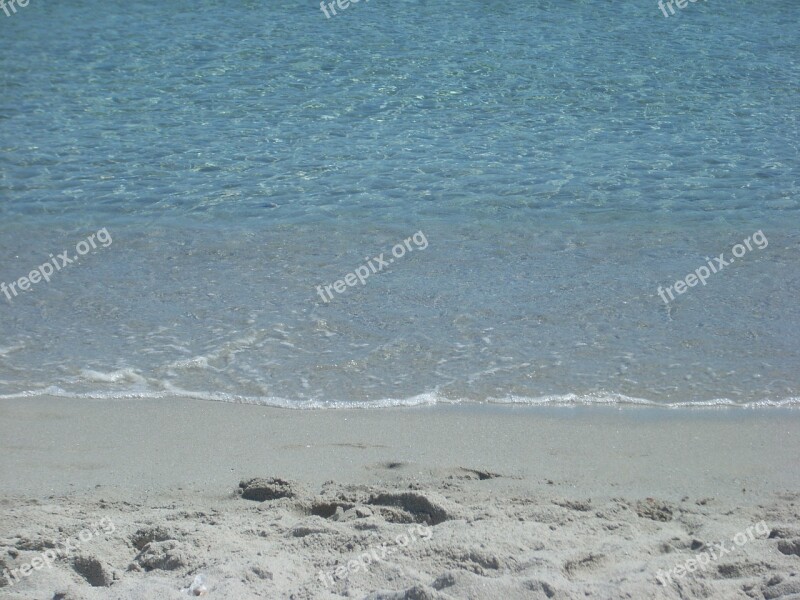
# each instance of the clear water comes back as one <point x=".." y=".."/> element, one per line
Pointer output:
<point x="563" y="160"/>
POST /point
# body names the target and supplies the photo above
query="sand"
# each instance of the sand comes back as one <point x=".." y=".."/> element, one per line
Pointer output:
<point x="170" y="498"/>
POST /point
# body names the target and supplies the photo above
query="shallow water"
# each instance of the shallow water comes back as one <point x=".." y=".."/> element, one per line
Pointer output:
<point x="561" y="162"/>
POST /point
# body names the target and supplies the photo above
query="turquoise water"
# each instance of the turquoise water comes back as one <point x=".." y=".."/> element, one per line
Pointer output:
<point x="562" y="161"/>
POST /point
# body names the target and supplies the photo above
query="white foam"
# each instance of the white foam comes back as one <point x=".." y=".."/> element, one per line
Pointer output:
<point x="425" y="399"/>
<point x="112" y="376"/>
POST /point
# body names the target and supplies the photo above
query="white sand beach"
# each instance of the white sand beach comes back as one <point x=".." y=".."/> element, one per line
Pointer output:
<point x="142" y="499"/>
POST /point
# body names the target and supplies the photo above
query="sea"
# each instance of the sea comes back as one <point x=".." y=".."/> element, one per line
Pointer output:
<point x="406" y="202"/>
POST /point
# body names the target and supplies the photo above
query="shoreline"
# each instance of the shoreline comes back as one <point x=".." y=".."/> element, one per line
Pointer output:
<point x="63" y="446"/>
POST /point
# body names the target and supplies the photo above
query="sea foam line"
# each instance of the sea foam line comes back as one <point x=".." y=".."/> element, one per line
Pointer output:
<point x="424" y="399"/>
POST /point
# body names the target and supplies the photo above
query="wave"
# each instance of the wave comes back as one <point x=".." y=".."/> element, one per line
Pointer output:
<point x="424" y="399"/>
